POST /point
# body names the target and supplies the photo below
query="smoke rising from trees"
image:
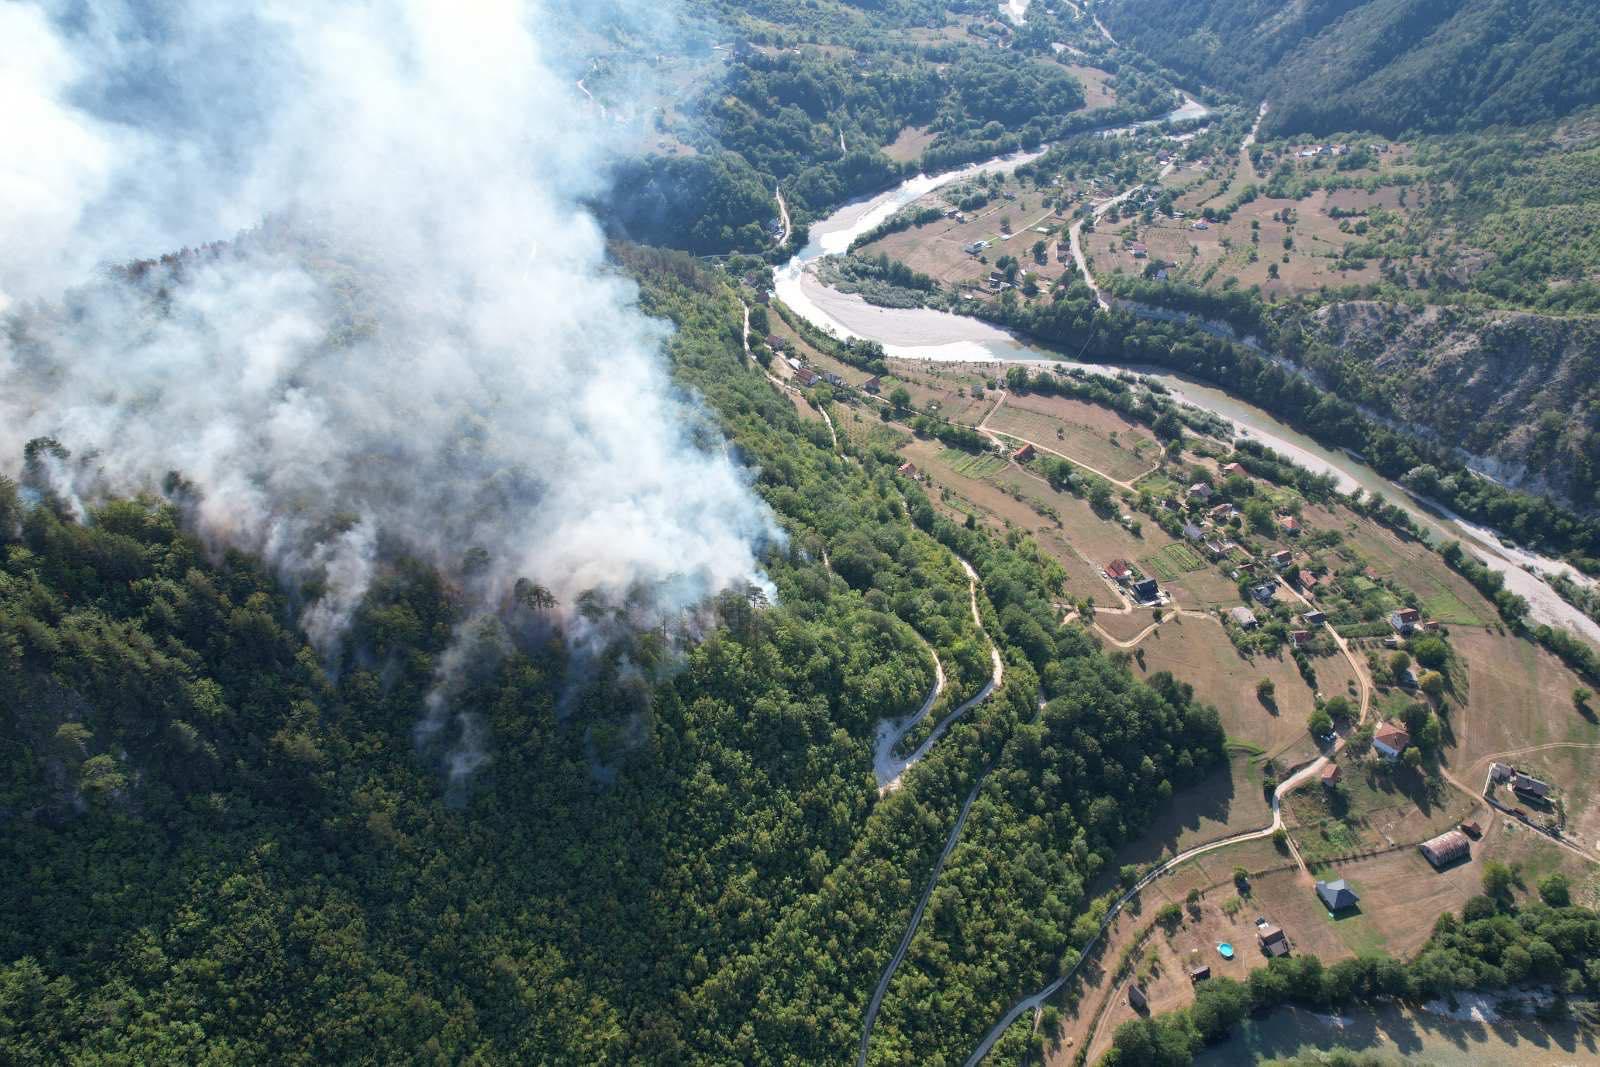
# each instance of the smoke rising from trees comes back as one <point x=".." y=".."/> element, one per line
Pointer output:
<point x="413" y="343"/>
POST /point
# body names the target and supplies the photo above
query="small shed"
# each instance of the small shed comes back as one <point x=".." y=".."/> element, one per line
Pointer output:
<point x="1199" y="972"/>
<point x="1331" y="774"/>
<point x="1136" y="998"/>
<point x="1273" y="941"/>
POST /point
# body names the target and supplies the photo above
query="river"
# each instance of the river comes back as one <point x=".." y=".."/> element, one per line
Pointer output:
<point x="923" y="333"/>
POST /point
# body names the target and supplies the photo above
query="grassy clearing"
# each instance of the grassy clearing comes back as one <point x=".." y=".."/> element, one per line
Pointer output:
<point x="970" y="465"/>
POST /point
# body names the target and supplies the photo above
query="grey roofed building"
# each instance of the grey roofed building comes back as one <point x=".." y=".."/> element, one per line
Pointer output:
<point x="1337" y="895"/>
<point x="1242" y="616"/>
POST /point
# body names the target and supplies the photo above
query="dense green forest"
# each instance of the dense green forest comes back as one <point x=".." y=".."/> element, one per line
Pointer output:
<point x="1492" y="945"/>
<point x="1388" y="66"/>
<point x="228" y="849"/>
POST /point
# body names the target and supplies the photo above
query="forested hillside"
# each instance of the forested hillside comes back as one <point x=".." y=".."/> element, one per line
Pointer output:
<point x="226" y="848"/>
<point x="809" y="98"/>
<point x="1387" y="66"/>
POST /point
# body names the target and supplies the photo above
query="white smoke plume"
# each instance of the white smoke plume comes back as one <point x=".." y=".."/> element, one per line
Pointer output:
<point x="416" y="341"/>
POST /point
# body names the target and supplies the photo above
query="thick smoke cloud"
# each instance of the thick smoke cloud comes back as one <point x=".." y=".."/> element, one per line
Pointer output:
<point x="417" y="342"/>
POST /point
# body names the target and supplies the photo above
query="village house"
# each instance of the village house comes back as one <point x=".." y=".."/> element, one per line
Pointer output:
<point x="907" y="469"/>
<point x="1023" y="454"/>
<point x="1390" y="740"/>
<point x="1404" y="620"/>
<point x="1306" y="579"/>
<point x="1291" y="526"/>
<point x="1221" y="513"/>
<point x="1300" y="638"/>
<point x="1118" y="570"/>
<point x="1447" y="848"/>
<point x="1138" y="249"/>
<point x="776" y="343"/>
<point x="1472" y="829"/>
<point x="807" y="377"/>
<point x="832" y="378"/>
<point x="1146" y="589"/>
<point x="1331" y="775"/>
<point x="872" y="384"/>
<point x="1314" y="618"/>
<point x="1200" y="491"/>
<point x="1230" y="469"/>
<point x="1265" y="592"/>
<point x="1192" y="532"/>
<point x="1216" y="549"/>
<point x="1281" y="558"/>
<point x="1273" y="941"/>
<point x="1337" y="895"/>
<point x="1243" y="617"/>
<point x="1530" y="787"/>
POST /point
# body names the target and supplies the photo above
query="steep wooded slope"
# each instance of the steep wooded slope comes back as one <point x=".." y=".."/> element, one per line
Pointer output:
<point x="1383" y="65"/>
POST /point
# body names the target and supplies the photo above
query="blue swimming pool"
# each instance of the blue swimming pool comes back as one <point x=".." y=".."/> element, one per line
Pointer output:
<point x="1226" y="950"/>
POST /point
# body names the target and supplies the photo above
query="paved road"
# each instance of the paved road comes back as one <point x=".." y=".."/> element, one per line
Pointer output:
<point x="1286" y="787"/>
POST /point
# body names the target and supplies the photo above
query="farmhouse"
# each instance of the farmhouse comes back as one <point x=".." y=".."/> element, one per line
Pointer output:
<point x="1146" y="589"/>
<point x="1272" y="940"/>
<point x="1023" y="454"/>
<point x="1530" y="786"/>
<point x="1337" y="895"/>
<point x="1243" y="617"/>
<point x="1118" y="570"/>
<point x="1404" y="620"/>
<point x="1390" y="740"/>
<point x="1447" y="848"/>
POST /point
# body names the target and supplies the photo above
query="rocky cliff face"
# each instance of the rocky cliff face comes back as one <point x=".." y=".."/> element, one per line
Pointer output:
<point x="1520" y="391"/>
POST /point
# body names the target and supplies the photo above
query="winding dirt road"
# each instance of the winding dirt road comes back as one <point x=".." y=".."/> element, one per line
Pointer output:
<point x="995" y="681"/>
<point x="890" y="768"/>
